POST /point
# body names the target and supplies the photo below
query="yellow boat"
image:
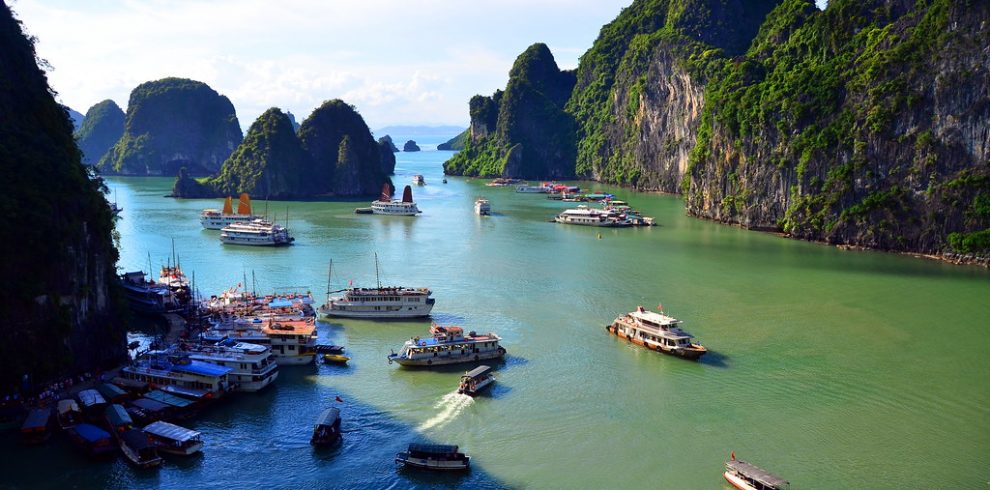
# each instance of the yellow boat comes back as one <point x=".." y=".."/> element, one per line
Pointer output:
<point x="336" y="358"/>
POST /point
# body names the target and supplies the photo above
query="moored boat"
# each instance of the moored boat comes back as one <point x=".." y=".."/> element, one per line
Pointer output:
<point x="327" y="428"/>
<point x="293" y="342"/>
<point x="145" y="296"/>
<point x="68" y="413"/>
<point x="91" y="439"/>
<point x="437" y="457"/>
<point x="335" y="358"/>
<point x="745" y="476"/>
<point x="533" y="189"/>
<point x="92" y="404"/>
<point x="585" y="216"/>
<point x="482" y="207"/>
<point x="418" y="180"/>
<point x="178" y="372"/>
<point x="378" y="302"/>
<point x="138" y="449"/>
<point x="117" y="419"/>
<point x="656" y="331"/>
<point x="253" y="365"/>
<point x="387" y="206"/>
<point x="476" y="380"/>
<point x="448" y="345"/>
<point x="213" y="219"/>
<point x="37" y="427"/>
<point x="173" y="439"/>
<point x="259" y="233"/>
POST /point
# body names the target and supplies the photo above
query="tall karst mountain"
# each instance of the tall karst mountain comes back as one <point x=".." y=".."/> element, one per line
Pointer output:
<point x="173" y="123"/>
<point x="59" y="262"/>
<point x="101" y="129"/>
<point x="522" y="131"/>
<point x="332" y="155"/>
<point x="867" y="123"/>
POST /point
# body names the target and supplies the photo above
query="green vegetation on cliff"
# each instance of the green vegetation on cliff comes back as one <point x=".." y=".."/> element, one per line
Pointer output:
<point x="523" y="131"/>
<point x="457" y="143"/>
<point x="59" y="262"/>
<point x="101" y="129"/>
<point x="172" y="123"/>
<point x="321" y="135"/>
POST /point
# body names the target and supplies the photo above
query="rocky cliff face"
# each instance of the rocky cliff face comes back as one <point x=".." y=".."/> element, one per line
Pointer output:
<point x="58" y="265"/>
<point x="524" y="131"/>
<point x="863" y="124"/>
<point x="410" y="146"/>
<point x="173" y="123"/>
<point x="101" y="129"/>
<point x="387" y="151"/>
<point x="322" y="134"/>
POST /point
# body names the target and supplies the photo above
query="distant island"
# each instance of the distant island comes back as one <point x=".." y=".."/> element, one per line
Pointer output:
<point x="854" y="125"/>
<point x="456" y="143"/>
<point x="410" y="146"/>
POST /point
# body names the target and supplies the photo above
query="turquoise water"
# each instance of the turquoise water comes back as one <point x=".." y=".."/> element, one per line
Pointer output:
<point x="834" y="369"/>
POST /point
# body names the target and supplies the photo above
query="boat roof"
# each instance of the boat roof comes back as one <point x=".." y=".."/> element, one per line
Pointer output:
<point x="654" y="317"/>
<point x="149" y="404"/>
<point x="431" y="341"/>
<point x="478" y="371"/>
<point x="67" y="406"/>
<point x="161" y="396"/>
<point x="37" y="417"/>
<point x="202" y="368"/>
<point x="117" y="415"/>
<point x="329" y="416"/>
<point x="171" y="431"/>
<point x="756" y="473"/>
<point x="432" y="448"/>
<point x="293" y="327"/>
<point x="91" y="433"/>
<point x="91" y="397"/>
<point x="136" y="439"/>
<point x="110" y="391"/>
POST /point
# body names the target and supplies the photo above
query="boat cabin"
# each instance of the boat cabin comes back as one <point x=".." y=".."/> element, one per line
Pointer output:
<point x="92" y="403"/>
<point x="112" y="393"/>
<point x="745" y="476"/>
<point x="327" y="428"/>
<point x="37" y="427"/>
<point x="438" y="457"/>
<point x="92" y="440"/>
<point x="138" y="449"/>
<point x="68" y="413"/>
<point x="117" y="418"/>
<point x="146" y="410"/>
<point x="172" y="439"/>
<point x="476" y="380"/>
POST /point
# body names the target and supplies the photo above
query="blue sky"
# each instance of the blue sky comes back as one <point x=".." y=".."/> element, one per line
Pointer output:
<point x="398" y="62"/>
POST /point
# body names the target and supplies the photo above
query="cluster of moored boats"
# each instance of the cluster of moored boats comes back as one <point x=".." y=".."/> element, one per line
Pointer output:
<point x="244" y="227"/>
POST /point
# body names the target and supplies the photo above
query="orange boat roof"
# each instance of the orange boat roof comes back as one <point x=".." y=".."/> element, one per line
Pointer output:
<point x="289" y="327"/>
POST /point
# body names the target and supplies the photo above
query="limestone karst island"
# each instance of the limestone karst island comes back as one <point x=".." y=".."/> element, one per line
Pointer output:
<point x="734" y="244"/>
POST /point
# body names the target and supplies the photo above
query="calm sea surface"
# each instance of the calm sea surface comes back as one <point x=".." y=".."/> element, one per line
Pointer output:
<point x="833" y="369"/>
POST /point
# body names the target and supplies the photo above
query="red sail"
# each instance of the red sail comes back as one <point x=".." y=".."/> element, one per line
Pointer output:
<point x="386" y="193"/>
<point x="407" y="194"/>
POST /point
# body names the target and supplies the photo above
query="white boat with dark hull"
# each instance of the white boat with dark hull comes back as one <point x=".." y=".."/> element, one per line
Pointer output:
<point x="585" y="216"/>
<point x="387" y="206"/>
<point x="173" y="439"/>
<point x="476" y="380"/>
<point x="656" y="331"/>
<point x="292" y="341"/>
<point x="148" y="297"/>
<point x="448" y="345"/>
<point x="254" y="366"/>
<point x="214" y="219"/>
<point x="256" y="233"/>
<point x="383" y="302"/>
<point x="482" y="207"/>
<point x="436" y="457"/>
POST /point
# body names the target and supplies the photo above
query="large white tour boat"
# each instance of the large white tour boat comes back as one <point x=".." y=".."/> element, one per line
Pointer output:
<point x="448" y="345"/>
<point x="214" y="219"/>
<point x="482" y="207"/>
<point x="258" y="233"/>
<point x="656" y="331"/>
<point x="179" y="373"/>
<point x="378" y="302"/>
<point x="293" y="342"/>
<point x="387" y="206"/>
<point x="583" y="215"/>
<point x="254" y="366"/>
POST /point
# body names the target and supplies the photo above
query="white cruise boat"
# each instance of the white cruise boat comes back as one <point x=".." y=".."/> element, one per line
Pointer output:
<point x="257" y="233"/>
<point x="418" y="180"/>
<point x="583" y="215"/>
<point x="378" y="302"/>
<point x="215" y="219"/>
<point x="178" y="372"/>
<point x="448" y="345"/>
<point x="293" y="342"/>
<point x="482" y="207"/>
<point x="656" y="331"/>
<point x="534" y="189"/>
<point x="385" y="205"/>
<point x="254" y="366"/>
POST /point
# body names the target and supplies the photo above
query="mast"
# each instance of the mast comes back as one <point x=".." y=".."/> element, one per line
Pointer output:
<point x="245" y="280"/>
<point x="173" y="252"/>
<point x="254" y="286"/>
<point x="377" y="275"/>
<point x="149" y="263"/>
<point x="329" y="275"/>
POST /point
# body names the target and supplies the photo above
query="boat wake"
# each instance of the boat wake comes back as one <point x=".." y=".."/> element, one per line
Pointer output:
<point x="449" y="407"/>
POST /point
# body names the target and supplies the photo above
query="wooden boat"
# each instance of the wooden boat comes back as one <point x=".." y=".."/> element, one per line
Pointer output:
<point x="476" y="380"/>
<point x="117" y="419"/>
<point x="329" y="349"/>
<point x="92" y="404"/>
<point x="138" y="449"/>
<point x="335" y="358"/>
<point x="92" y="440"/>
<point x="146" y="410"/>
<point x="37" y="427"/>
<point x="745" y="476"/>
<point x="172" y="439"/>
<point x="112" y="393"/>
<point x="436" y="457"/>
<point x="68" y="413"/>
<point x="656" y="331"/>
<point x="327" y="428"/>
<point x="448" y="345"/>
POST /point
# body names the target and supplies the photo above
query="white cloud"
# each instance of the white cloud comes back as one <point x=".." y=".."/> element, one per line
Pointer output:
<point x="396" y="61"/>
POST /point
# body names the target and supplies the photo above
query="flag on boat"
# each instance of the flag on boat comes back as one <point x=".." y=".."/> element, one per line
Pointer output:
<point x="660" y="307"/>
<point x="341" y="400"/>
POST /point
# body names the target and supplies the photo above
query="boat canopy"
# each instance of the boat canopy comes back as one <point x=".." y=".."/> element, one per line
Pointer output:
<point x="438" y="449"/>
<point x="91" y="433"/>
<point x="37" y="419"/>
<point x="66" y="406"/>
<point x="280" y="303"/>
<point x="117" y="416"/>
<point x="136" y="439"/>
<point x="202" y="368"/>
<point x="90" y="398"/>
<point x="477" y="372"/>
<point x="329" y="417"/>
<point x="150" y="405"/>
<point x="162" y="397"/>
<point x="111" y="392"/>
<point x="756" y="473"/>
<point x="172" y="432"/>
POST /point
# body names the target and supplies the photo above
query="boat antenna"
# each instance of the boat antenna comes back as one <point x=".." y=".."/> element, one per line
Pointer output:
<point x="378" y="277"/>
<point x="329" y="275"/>
<point x="149" y="263"/>
<point x="245" y="278"/>
<point x="173" y="251"/>
<point x="254" y="287"/>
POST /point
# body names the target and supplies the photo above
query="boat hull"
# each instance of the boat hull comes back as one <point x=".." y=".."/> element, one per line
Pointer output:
<point x="180" y="451"/>
<point x="253" y="386"/>
<point x="737" y="482"/>
<point x="418" y="311"/>
<point x="283" y="360"/>
<point x="433" y="465"/>
<point x="691" y="354"/>
<point x="447" y="360"/>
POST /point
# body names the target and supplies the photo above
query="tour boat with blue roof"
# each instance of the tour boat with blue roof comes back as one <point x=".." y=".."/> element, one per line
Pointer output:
<point x="254" y="366"/>
<point x="174" y="371"/>
<point x="448" y="345"/>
